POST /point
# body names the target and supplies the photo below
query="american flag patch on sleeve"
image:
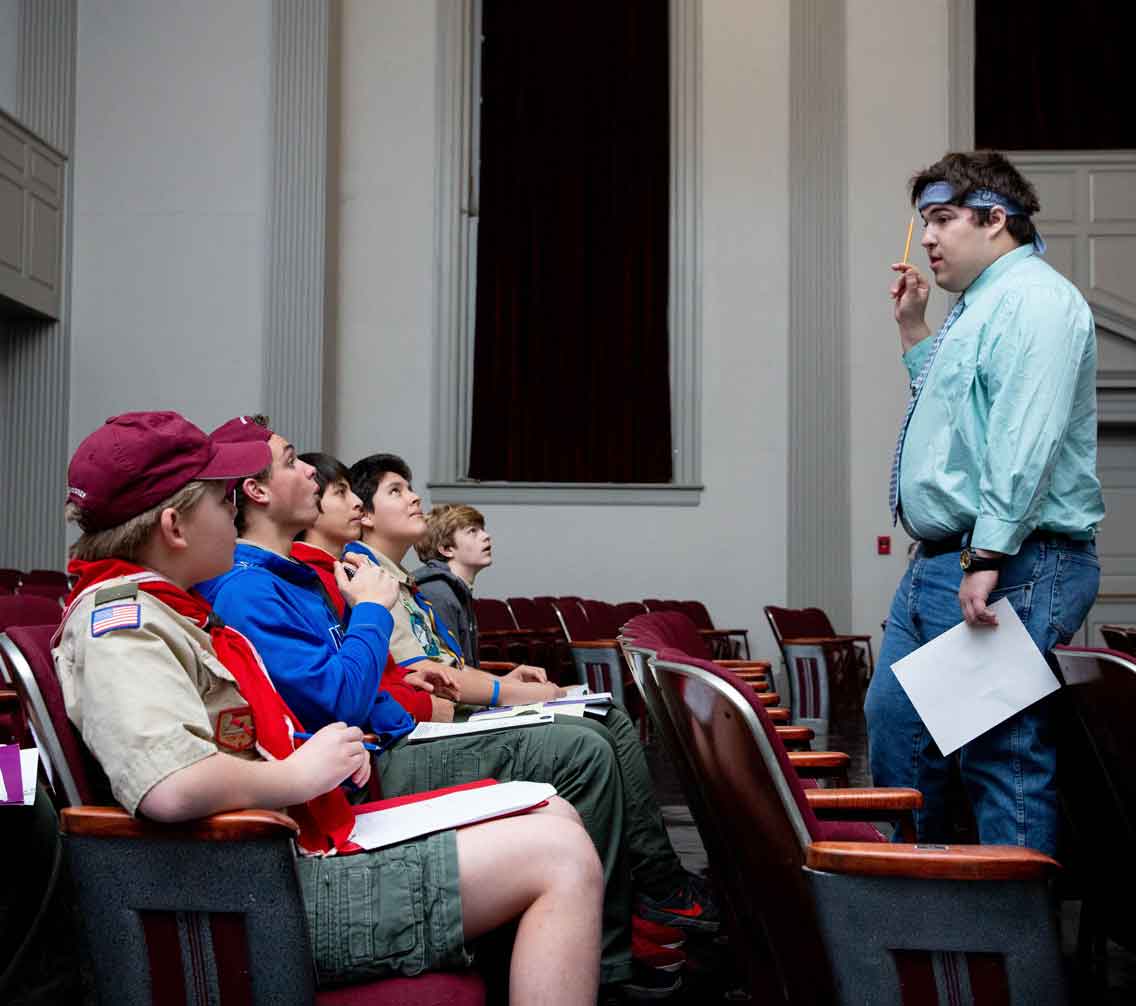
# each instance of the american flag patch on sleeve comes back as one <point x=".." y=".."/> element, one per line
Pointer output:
<point x="115" y="616"/>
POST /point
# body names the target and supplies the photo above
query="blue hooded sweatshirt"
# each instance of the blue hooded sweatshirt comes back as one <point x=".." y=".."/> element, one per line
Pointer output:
<point x="324" y="673"/>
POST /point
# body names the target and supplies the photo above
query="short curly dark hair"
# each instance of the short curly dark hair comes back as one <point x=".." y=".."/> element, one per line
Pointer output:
<point x="983" y="169"/>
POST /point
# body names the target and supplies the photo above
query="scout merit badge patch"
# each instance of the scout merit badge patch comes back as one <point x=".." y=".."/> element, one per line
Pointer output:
<point x="115" y="616"/>
<point x="236" y="730"/>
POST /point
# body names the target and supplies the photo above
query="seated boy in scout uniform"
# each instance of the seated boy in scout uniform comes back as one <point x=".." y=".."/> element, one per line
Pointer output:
<point x="392" y="524"/>
<point x="321" y="546"/>
<point x="327" y="675"/>
<point x="178" y="711"/>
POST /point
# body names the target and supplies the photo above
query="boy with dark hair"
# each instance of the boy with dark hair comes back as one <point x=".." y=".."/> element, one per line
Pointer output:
<point x="340" y="515"/>
<point x="177" y="709"/>
<point x="278" y="604"/>
<point x="392" y="524"/>
<point x="994" y="475"/>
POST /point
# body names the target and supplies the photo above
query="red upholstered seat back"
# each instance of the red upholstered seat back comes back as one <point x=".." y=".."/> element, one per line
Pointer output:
<point x="576" y="624"/>
<point x="627" y="610"/>
<point x="34" y="643"/>
<point x="10" y="578"/>
<point x="790" y="622"/>
<point x="674" y="630"/>
<point x="26" y="609"/>
<point x="697" y="613"/>
<point x="603" y="617"/>
<point x="492" y="615"/>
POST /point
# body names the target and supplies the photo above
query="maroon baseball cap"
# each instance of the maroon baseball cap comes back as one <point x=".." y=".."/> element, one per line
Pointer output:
<point x="241" y="430"/>
<point x="134" y="461"/>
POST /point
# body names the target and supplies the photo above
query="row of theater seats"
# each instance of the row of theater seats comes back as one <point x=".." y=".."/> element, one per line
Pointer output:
<point x="820" y="908"/>
<point x="49" y="583"/>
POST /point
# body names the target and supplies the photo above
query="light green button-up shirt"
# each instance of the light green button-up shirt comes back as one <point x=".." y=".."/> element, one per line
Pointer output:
<point x="1003" y="439"/>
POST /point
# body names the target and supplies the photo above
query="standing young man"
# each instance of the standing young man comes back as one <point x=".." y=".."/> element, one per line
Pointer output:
<point x="995" y="476"/>
<point x="392" y="524"/>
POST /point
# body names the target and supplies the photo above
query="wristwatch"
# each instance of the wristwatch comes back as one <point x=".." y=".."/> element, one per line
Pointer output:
<point x="972" y="562"/>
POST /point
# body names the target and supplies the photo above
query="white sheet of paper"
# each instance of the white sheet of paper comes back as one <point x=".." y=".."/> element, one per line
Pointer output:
<point x="29" y="769"/>
<point x="439" y="731"/>
<point x="967" y="680"/>
<point x="380" y="828"/>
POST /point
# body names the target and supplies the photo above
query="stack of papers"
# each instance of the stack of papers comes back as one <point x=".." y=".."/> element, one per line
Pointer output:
<point x="18" y="770"/>
<point x="440" y="731"/>
<point x="594" y="702"/>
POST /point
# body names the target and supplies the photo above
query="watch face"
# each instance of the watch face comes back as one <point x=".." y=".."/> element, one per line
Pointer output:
<point x="965" y="558"/>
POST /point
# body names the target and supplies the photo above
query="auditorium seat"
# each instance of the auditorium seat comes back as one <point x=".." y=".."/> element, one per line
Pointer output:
<point x="827" y="672"/>
<point x="27" y="609"/>
<point x="1097" y="785"/>
<point x="1121" y="638"/>
<point x="724" y="642"/>
<point x="9" y="579"/>
<point x="840" y="915"/>
<point x="224" y="886"/>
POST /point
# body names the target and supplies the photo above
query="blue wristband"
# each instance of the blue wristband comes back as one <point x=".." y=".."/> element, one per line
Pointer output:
<point x="496" y="693"/>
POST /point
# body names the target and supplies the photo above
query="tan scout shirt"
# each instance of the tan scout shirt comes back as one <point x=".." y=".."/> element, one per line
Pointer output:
<point x="148" y="701"/>
<point x="407" y="645"/>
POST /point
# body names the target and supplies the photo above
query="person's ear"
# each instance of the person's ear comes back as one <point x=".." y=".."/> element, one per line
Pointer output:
<point x="256" y="491"/>
<point x="447" y="551"/>
<point x="997" y="221"/>
<point x="368" y="520"/>
<point x="171" y="530"/>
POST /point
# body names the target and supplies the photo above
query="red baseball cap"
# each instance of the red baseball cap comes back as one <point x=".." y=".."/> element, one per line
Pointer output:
<point x="241" y="430"/>
<point x="134" y="461"/>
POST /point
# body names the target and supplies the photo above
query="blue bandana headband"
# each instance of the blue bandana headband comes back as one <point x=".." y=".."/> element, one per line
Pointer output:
<point x="941" y="193"/>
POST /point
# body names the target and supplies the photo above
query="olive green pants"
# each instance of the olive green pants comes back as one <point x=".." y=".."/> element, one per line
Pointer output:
<point x="655" y="867"/>
<point x="573" y="756"/>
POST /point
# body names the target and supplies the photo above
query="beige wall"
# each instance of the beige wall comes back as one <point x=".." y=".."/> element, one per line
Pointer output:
<point x="729" y="550"/>
<point x="897" y="123"/>
<point x="171" y="176"/>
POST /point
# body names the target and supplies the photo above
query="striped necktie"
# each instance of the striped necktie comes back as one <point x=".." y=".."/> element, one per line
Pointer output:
<point x="916" y="387"/>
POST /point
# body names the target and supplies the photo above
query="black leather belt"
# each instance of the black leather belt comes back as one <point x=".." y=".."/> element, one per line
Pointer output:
<point x="955" y="543"/>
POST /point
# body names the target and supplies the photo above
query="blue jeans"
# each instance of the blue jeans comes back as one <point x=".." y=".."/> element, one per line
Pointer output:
<point x="1010" y="772"/>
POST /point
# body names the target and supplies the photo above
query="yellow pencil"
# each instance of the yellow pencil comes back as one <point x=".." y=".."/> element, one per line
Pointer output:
<point x="907" y="245"/>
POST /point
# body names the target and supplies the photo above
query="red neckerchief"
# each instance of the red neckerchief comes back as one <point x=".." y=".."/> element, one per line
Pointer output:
<point x="324" y="565"/>
<point x="325" y="821"/>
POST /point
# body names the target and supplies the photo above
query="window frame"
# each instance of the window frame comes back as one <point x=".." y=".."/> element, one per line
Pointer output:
<point x="456" y="216"/>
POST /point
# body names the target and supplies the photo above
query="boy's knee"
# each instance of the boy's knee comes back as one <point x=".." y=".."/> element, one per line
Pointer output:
<point x="559" y="807"/>
<point x="572" y="857"/>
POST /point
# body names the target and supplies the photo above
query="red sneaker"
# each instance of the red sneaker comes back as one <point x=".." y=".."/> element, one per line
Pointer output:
<point x="657" y="933"/>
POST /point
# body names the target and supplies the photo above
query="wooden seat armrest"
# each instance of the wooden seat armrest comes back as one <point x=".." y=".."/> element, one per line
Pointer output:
<point x="506" y="633"/>
<point x="744" y="665"/>
<point x="930" y="862"/>
<point x="866" y="799"/>
<point x="797" y="735"/>
<point x="497" y="666"/>
<point x="9" y="698"/>
<point x="594" y="644"/>
<point x="813" y="640"/>
<point x="767" y="698"/>
<point x="232" y="826"/>
<point x="778" y="714"/>
<point x="819" y="764"/>
<point x="721" y="633"/>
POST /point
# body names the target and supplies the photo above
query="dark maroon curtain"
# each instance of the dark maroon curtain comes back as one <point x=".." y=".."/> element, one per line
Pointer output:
<point x="570" y="366"/>
<point x="1054" y="76"/>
